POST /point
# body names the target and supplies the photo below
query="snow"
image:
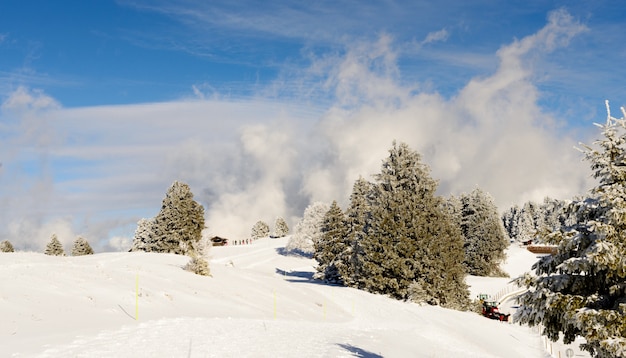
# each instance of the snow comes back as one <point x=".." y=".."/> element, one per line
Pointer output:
<point x="258" y="303"/>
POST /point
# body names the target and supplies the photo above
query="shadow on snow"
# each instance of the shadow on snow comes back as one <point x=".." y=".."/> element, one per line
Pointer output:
<point x="359" y="352"/>
<point x="294" y="253"/>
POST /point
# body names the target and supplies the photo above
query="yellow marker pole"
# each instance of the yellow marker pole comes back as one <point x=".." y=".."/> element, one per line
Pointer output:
<point x="137" y="297"/>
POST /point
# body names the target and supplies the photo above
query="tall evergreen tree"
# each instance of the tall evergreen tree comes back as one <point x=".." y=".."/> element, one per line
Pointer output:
<point x="581" y="290"/>
<point x="331" y="249"/>
<point x="527" y="226"/>
<point x="177" y="228"/>
<point x="411" y="240"/>
<point x="483" y="233"/>
<point x="509" y="219"/>
<point x="81" y="247"/>
<point x="54" y="247"/>
<point x="358" y="218"/>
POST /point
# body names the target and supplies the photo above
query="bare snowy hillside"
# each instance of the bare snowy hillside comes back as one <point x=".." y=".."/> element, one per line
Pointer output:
<point x="258" y="303"/>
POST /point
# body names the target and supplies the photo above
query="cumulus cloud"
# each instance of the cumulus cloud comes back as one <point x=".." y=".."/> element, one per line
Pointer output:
<point x="257" y="159"/>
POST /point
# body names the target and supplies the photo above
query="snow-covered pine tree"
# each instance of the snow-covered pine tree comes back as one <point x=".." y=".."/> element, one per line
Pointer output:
<point x="533" y="220"/>
<point x="176" y="228"/>
<point x="412" y="239"/>
<point x="581" y="290"/>
<point x="6" y="246"/>
<point x="358" y="217"/>
<point x="54" y="247"/>
<point x="510" y="219"/>
<point x="445" y="280"/>
<point x="331" y="249"/>
<point x="526" y="226"/>
<point x="281" y="229"/>
<point x="553" y="212"/>
<point x="259" y="230"/>
<point x="455" y="208"/>
<point x="483" y="233"/>
<point x="308" y="229"/>
<point x="144" y="237"/>
<point x="81" y="247"/>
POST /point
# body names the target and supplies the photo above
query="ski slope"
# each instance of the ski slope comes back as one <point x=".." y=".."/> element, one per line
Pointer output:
<point x="258" y="303"/>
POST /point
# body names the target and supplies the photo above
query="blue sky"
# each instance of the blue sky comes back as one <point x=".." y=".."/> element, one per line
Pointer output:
<point x="264" y="107"/>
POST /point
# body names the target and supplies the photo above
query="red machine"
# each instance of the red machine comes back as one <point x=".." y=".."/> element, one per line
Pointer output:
<point x="490" y="310"/>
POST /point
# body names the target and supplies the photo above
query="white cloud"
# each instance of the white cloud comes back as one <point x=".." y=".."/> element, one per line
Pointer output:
<point x="120" y="243"/>
<point x="32" y="235"/>
<point x="23" y="99"/>
<point x="436" y="36"/>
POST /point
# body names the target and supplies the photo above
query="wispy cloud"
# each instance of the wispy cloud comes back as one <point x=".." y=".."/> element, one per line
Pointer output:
<point x="258" y="29"/>
<point x="436" y="36"/>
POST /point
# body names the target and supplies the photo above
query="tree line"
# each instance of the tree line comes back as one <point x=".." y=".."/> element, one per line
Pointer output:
<point x="54" y="247"/>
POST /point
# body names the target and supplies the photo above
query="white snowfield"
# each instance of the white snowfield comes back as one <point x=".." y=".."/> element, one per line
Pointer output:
<point x="258" y="303"/>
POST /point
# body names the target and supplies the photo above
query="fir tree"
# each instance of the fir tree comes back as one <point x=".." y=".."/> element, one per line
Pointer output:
<point x="281" y="229"/>
<point x="54" y="247"/>
<point x="144" y="236"/>
<point x="483" y="233"/>
<point x="454" y="207"/>
<point x="509" y="220"/>
<point x="259" y="230"/>
<point x="358" y="218"/>
<point x="6" y="246"/>
<point x="527" y="226"/>
<point x="81" y="247"/>
<point x="553" y="214"/>
<point x="177" y="228"/>
<point x="581" y="290"/>
<point x="411" y="239"/>
<point x="331" y="249"/>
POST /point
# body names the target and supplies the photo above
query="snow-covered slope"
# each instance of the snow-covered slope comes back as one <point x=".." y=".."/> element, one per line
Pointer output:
<point x="258" y="303"/>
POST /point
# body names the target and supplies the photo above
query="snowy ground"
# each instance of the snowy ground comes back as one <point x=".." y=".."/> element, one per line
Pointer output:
<point x="258" y="303"/>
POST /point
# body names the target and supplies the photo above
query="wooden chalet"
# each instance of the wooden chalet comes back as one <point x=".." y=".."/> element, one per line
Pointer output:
<point x="219" y="241"/>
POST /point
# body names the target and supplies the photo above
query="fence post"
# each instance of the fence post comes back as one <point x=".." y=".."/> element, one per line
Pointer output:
<point x="137" y="297"/>
<point x="274" y="304"/>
